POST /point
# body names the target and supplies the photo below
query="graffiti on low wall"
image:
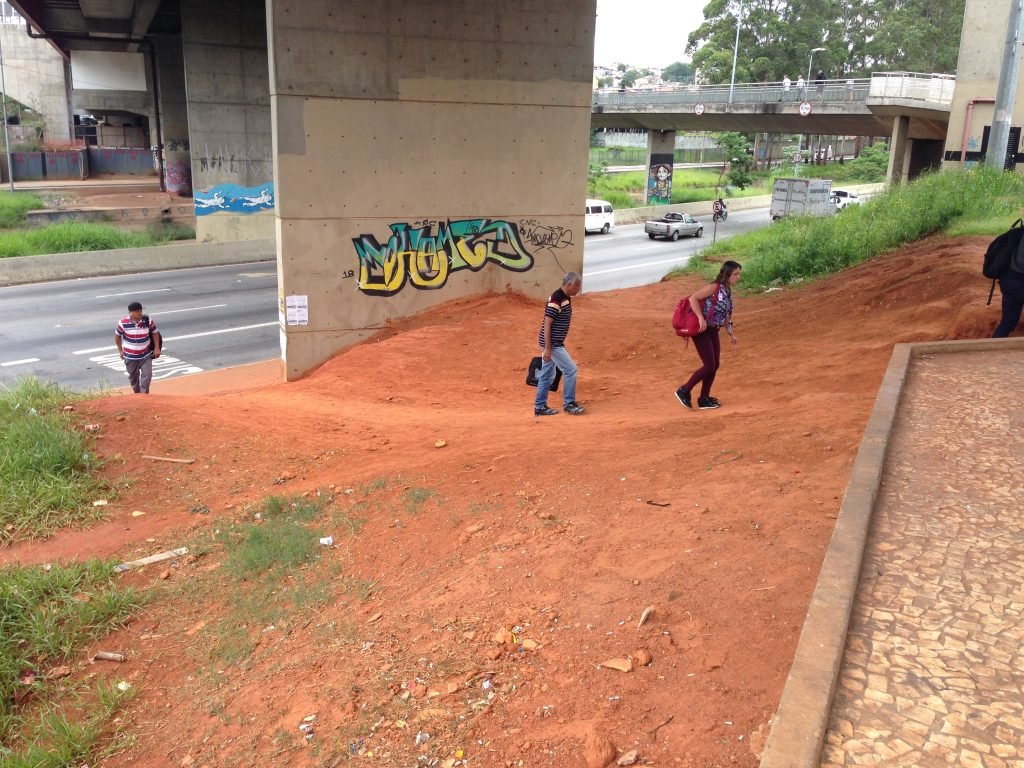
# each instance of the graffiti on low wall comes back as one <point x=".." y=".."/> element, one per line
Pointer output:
<point x="236" y="199"/>
<point x="426" y="252"/>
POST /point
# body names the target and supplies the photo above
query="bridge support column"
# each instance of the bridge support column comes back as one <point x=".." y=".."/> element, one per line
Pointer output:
<point x="661" y="148"/>
<point x="423" y="152"/>
<point x="899" y="152"/>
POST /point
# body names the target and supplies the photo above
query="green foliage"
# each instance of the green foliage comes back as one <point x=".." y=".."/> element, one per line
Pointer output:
<point x="46" y="465"/>
<point x="47" y="615"/>
<point x="859" y="37"/>
<point x="678" y="72"/>
<point x="78" y="236"/>
<point x="737" y="150"/>
<point x="806" y="247"/>
<point x="14" y="206"/>
<point x="869" y="167"/>
<point x="629" y="78"/>
<point x="596" y="173"/>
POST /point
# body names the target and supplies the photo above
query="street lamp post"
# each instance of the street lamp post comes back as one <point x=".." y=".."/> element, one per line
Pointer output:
<point x="809" y="60"/>
<point x="735" y="52"/>
<point x="807" y="84"/>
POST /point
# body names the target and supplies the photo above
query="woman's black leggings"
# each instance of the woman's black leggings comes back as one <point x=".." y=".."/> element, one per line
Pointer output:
<point x="710" y="351"/>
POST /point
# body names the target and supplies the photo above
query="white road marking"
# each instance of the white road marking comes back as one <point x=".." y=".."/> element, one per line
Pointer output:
<point x="190" y="309"/>
<point x="168" y="339"/>
<point x="638" y="265"/>
<point x="19" y="362"/>
<point x="131" y="293"/>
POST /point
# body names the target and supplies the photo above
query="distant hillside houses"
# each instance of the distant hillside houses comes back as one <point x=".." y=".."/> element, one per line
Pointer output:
<point x="611" y="78"/>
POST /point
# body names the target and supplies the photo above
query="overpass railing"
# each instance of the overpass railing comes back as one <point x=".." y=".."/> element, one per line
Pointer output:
<point x="856" y="91"/>
<point x="742" y="93"/>
<point x="933" y="88"/>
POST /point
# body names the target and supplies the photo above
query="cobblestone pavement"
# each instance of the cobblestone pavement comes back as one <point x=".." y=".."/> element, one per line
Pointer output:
<point x="933" y="671"/>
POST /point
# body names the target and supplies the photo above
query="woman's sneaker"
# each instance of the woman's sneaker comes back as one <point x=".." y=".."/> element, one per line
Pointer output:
<point x="684" y="397"/>
<point x="704" y="403"/>
<point x="574" y="408"/>
<point x="544" y="411"/>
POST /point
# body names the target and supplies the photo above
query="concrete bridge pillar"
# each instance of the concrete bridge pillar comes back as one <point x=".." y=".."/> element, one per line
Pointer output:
<point x="170" y="65"/>
<point x="661" y="148"/>
<point x="899" y="152"/>
<point x="423" y="152"/>
<point x="226" y="78"/>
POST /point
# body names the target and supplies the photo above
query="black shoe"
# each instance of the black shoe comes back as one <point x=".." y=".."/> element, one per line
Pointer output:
<point x="704" y="403"/>
<point x="714" y="400"/>
<point x="574" y="408"/>
<point x="544" y="411"/>
<point x="684" y="397"/>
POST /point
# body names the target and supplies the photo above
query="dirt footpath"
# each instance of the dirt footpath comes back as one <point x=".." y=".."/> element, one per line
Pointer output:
<point x="559" y="531"/>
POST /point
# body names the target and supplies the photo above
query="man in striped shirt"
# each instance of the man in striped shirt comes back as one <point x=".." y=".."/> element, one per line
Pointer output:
<point x="553" y="330"/>
<point x="138" y="341"/>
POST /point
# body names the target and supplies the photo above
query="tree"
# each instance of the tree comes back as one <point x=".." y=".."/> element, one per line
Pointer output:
<point x="630" y="78"/>
<point x="678" y="72"/>
<point x="604" y="82"/>
<point x="859" y="36"/>
<point x="738" y="153"/>
<point x="596" y="173"/>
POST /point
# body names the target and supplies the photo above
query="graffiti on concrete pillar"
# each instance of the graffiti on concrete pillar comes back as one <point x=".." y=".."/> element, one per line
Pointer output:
<point x="178" y="177"/>
<point x="426" y="253"/>
<point x="659" y="180"/>
<point x="231" y="197"/>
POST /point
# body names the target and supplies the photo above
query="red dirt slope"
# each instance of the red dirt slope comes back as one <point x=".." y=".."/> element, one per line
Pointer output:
<point x="565" y="527"/>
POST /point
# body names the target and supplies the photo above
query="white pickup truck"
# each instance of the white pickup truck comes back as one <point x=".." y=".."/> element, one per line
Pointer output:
<point x="672" y="225"/>
<point x="802" y="197"/>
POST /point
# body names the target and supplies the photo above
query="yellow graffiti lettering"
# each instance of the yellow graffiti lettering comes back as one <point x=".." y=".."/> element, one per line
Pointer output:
<point x="430" y="268"/>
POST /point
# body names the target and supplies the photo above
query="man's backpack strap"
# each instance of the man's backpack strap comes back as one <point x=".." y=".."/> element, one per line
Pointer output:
<point x="991" y="291"/>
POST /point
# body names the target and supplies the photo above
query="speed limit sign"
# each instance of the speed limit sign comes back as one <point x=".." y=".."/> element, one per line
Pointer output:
<point x="717" y="206"/>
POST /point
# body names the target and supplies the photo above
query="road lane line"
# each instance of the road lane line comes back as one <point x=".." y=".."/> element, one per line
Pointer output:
<point x="130" y="293"/>
<point x="190" y="309"/>
<point x="168" y="339"/>
<point x="19" y="362"/>
<point x="639" y="265"/>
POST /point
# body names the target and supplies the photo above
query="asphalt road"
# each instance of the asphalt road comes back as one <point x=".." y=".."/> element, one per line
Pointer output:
<point x="216" y="317"/>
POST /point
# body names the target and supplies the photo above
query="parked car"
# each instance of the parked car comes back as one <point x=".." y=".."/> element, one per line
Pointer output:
<point x="672" y="225"/>
<point x="843" y="198"/>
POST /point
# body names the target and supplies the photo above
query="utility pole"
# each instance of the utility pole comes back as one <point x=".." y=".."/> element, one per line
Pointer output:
<point x="735" y="52"/>
<point x="7" y="133"/>
<point x="1006" y="91"/>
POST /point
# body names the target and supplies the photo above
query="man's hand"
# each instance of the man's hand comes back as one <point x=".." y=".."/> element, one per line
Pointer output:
<point x="545" y="354"/>
<point x="156" y="352"/>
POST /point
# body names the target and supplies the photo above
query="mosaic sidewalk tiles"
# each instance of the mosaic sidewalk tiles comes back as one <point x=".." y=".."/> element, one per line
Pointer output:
<point x="933" y="670"/>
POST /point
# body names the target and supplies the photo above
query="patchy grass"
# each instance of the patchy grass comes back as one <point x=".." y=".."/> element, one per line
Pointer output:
<point x="14" y="206"/>
<point x="82" y="236"/>
<point x="47" y="614"/>
<point x="979" y="201"/>
<point x="47" y="465"/>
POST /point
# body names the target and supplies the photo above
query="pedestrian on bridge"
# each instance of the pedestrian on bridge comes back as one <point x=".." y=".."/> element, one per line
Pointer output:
<point x="785" y="87"/>
<point x="820" y="80"/>
<point x="801" y="87"/>
<point x="139" y="343"/>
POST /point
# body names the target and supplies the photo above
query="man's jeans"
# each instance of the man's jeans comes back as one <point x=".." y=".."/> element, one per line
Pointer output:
<point x="140" y="373"/>
<point x="561" y="358"/>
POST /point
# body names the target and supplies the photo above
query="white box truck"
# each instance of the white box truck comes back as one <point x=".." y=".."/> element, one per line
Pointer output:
<point x="802" y="197"/>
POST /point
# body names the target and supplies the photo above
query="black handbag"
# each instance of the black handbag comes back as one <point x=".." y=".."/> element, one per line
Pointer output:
<point x="534" y="371"/>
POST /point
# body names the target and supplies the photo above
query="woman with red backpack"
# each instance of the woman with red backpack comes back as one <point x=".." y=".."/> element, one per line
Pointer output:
<point x="713" y="306"/>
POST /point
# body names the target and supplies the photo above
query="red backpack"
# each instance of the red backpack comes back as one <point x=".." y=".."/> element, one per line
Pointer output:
<point x="685" y="320"/>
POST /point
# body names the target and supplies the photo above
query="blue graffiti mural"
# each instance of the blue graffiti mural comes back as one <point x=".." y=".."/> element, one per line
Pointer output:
<point x="425" y="259"/>
<point x="231" y="197"/>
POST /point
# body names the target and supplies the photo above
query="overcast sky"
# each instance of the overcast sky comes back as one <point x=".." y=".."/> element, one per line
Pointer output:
<point x="644" y="32"/>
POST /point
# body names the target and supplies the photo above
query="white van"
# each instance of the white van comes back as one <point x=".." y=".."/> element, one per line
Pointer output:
<point x="599" y="217"/>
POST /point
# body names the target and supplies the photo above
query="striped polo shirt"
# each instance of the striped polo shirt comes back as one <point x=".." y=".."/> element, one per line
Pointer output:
<point x="559" y="309"/>
<point x="135" y="337"/>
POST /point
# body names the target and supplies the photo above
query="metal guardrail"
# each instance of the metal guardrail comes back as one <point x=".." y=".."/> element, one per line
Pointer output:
<point x="931" y="88"/>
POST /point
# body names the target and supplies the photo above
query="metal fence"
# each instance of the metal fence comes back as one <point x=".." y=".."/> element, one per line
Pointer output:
<point x="931" y="88"/>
